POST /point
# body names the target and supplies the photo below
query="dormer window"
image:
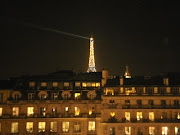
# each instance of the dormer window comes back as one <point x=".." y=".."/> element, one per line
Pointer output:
<point x="66" y="84"/>
<point x="55" y="84"/>
<point x="66" y="95"/>
<point x="43" y="84"/>
<point x="42" y="95"/>
<point x="16" y="95"/>
<point x="77" y="84"/>
<point x="31" y="84"/>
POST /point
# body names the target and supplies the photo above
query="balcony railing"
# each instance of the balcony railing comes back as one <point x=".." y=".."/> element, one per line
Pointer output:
<point x="150" y="107"/>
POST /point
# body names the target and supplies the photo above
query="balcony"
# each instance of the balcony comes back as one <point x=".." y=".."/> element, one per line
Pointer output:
<point x="150" y="107"/>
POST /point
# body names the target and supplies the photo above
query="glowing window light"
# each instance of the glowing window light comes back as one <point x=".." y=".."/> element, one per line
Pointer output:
<point x="53" y="126"/>
<point x="43" y="84"/>
<point x="65" y="126"/>
<point x="90" y="111"/>
<point x="55" y="84"/>
<point x="151" y="116"/>
<point x="127" y="130"/>
<point x="151" y="130"/>
<point x="77" y="111"/>
<point x="91" y="126"/>
<point x="139" y="116"/>
<point x="14" y="127"/>
<point x="66" y="109"/>
<point x="127" y="116"/>
<point x="112" y="114"/>
<point x="84" y="84"/>
<point x="30" y="111"/>
<point x="29" y="127"/>
<point x="164" y="131"/>
<point x="41" y="126"/>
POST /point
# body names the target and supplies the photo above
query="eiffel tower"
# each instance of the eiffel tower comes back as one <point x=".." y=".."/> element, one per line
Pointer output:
<point x="91" y="66"/>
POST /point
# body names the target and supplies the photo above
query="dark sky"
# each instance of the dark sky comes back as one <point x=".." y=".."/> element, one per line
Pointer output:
<point x="125" y="33"/>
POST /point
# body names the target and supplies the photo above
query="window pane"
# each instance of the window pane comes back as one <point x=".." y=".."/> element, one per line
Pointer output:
<point x="1" y="111"/>
<point x="77" y="127"/>
<point x="127" y="116"/>
<point x="15" y="111"/>
<point x="65" y="127"/>
<point x="151" y="116"/>
<point x="164" y="130"/>
<point x="127" y="130"/>
<point x="151" y="130"/>
<point x="41" y="126"/>
<point x="53" y="127"/>
<point x="14" y="127"/>
<point x="29" y="127"/>
<point x="91" y="126"/>
<point x="30" y="111"/>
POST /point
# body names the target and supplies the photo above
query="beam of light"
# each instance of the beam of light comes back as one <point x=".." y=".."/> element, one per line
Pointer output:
<point x="47" y="29"/>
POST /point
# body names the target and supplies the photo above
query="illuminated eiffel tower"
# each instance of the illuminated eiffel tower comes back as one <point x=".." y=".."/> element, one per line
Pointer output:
<point x="91" y="67"/>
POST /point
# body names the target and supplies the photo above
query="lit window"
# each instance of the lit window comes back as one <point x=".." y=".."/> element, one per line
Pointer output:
<point x="155" y="89"/>
<point x="77" y="127"/>
<point x="177" y="130"/>
<point x="55" y="84"/>
<point x="139" y="116"/>
<point x="168" y="90"/>
<point x="97" y="84"/>
<point x="151" y="116"/>
<point x="65" y="126"/>
<point x="90" y="111"/>
<point x="109" y="91"/>
<point x="164" y="131"/>
<point x="14" y="127"/>
<point x="84" y="84"/>
<point x="112" y="114"/>
<point x="91" y="126"/>
<point x="1" y="111"/>
<point x="66" y="109"/>
<point x="151" y="130"/>
<point x="43" y="84"/>
<point x="32" y="84"/>
<point x="127" y="116"/>
<point x="43" y="111"/>
<point x="178" y="115"/>
<point x="30" y="111"/>
<point x="89" y="84"/>
<point x="15" y="111"/>
<point x="112" y="131"/>
<point x="53" y="126"/>
<point x="29" y="127"/>
<point x="93" y="84"/>
<point x="127" y="130"/>
<point x="30" y="96"/>
<point x="66" y="84"/>
<point x="77" y="84"/>
<point x="77" y="95"/>
<point x="144" y="90"/>
<point x="77" y="111"/>
<point x="121" y="90"/>
<point x="41" y="126"/>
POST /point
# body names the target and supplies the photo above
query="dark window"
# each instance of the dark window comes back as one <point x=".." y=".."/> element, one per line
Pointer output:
<point x="150" y="102"/>
<point x="139" y="102"/>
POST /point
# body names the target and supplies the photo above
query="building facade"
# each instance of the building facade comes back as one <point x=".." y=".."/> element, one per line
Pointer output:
<point x="94" y="103"/>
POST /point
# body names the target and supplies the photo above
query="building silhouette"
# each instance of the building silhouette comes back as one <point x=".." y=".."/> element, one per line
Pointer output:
<point x="94" y="103"/>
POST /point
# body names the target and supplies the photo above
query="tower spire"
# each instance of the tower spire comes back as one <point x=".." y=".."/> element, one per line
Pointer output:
<point x="127" y="74"/>
<point x="91" y="66"/>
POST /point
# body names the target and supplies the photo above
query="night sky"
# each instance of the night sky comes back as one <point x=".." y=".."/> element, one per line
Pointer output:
<point x="125" y="33"/>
